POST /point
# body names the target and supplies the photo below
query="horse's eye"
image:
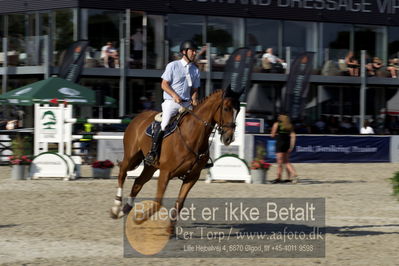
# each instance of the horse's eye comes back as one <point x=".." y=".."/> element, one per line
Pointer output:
<point x="226" y="109"/>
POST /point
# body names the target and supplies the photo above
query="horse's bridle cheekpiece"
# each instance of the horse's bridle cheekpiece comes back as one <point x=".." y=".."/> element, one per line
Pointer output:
<point x="221" y="125"/>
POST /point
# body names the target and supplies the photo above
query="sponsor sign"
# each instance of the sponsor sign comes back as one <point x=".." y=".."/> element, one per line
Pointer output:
<point x="297" y="87"/>
<point x="230" y="167"/>
<point x="254" y="125"/>
<point x="50" y="122"/>
<point x="238" y="71"/>
<point x="52" y="165"/>
<point x="334" y="149"/>
<point x="73" y="61"/>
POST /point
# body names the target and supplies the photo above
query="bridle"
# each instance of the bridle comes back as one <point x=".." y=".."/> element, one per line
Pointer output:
<point x="219" y="128"/>
<point x="221" y="125"/>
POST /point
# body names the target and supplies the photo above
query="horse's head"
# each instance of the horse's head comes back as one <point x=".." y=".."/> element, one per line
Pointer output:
<point x="225" y="118"/>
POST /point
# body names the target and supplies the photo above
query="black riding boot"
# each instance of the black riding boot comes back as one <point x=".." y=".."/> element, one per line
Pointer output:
<point x="152" y="156"/>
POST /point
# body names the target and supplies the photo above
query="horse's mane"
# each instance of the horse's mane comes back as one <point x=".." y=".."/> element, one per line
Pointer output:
<point x="207" y="97"/>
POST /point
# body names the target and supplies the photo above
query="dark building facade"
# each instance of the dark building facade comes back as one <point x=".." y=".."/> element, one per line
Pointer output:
<point x="147" y="34"/>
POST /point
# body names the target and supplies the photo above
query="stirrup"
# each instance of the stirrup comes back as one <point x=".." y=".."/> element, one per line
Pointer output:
<point x="150" y="158"/>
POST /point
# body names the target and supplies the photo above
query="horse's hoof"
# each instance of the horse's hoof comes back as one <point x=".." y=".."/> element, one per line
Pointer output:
<point x="127" y="208"/>
<point x="116" y="212"/>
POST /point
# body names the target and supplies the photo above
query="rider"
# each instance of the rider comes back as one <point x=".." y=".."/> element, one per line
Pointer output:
<point x="180" y="83"/>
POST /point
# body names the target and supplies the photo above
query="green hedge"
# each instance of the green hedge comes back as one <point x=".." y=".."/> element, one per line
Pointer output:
<point x="395" y="183"/>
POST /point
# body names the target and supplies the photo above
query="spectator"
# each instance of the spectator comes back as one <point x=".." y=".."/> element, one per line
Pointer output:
<point x="378" y="126"/>
<point x="345" y="126"/>
<point x="392" y="124"/>
<point x="353" y="64"/>
<point x="109" y="55"/>
<point x="300" y="127"/>
<point x="85" y="141"/>
<point x="393" y="67"/>
<point x="369" y="66"/>
<point x="137" y="40"/>
<point x="320" y="125"/>
<point x="285" y="136"/>
<point x="366" y="128"/>
<point x="333" y="125"/>
<point x="272" y="63"/>
<point x="146" y="103"/>
<point x="376" y="65"/>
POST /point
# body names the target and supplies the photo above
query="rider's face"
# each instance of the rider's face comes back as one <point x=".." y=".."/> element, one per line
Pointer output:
<point x="191" y="54"/>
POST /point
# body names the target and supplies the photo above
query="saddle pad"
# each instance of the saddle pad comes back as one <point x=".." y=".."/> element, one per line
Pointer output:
<point x="168" y="130"/>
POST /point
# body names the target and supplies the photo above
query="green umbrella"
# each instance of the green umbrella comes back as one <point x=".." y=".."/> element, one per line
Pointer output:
<point x="52" y="88"/>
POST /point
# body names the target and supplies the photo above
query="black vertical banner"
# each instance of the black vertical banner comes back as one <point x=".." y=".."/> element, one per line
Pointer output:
<point x="297" y="87"/>
<point x="73" y="60"/>
<point x="238" y="70"/>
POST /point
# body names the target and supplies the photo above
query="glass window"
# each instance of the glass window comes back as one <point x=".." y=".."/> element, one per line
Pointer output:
<point x="103" y="26"/>
<point x="16" y="24"/>
<point x="2" y="26"/>
<point x="335" y="40"/>
<point x="181" y="28"/>
<point x="371" y="39"/>
<point x="61" y="24"/>
<point x="110" y="87"/>
<point x="136" y="39"/>
<point x="44" y="23"/>
<point x="260" y="35"/>
<point x="64" y="28"/>
<point x="143" y="94"/>
<point x="299" y="36"/>
<point x="393" y="42"/>
<point x="225" y="35"/>
<point x="155" y="42"/>
<point x="16" y="31"/>
<point x="338" y="100"/>
<point x="103" y="31"/>
<point x="2" y="33"/>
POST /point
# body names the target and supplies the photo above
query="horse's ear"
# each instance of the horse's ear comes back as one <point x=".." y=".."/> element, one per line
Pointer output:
<point x="229" y="93"/>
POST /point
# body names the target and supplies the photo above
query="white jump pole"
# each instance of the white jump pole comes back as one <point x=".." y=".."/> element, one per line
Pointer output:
<point x="98" y="121"/>
<point x="97" y="137"/>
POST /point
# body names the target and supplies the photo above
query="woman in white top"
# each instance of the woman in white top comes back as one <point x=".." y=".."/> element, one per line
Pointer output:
<point x="366" y="128"/>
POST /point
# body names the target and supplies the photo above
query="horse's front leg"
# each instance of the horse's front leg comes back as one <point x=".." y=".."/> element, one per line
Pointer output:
<point x="163" y="181"/>
<point x="184" y="190"/>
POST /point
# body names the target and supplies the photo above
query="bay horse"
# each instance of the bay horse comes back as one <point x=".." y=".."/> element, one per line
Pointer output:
<point x="184" y="153"/>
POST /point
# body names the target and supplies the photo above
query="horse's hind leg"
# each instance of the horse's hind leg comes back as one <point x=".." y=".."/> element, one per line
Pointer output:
<point x="126" y="165"/>
<point x="144" y="177"/>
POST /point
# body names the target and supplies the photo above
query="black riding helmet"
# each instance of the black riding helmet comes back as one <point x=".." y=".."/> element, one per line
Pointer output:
<point x="188" y="45"/>
<point x="184" y="46"/>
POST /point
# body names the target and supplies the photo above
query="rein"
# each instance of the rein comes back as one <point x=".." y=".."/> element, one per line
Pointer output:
<point x="206" y="124"/>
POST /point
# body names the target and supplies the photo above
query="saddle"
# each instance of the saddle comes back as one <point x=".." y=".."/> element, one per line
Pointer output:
<point x="170" y="128"/>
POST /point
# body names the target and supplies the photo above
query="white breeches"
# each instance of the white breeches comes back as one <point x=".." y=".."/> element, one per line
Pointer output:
<point x="169" y="109"/>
